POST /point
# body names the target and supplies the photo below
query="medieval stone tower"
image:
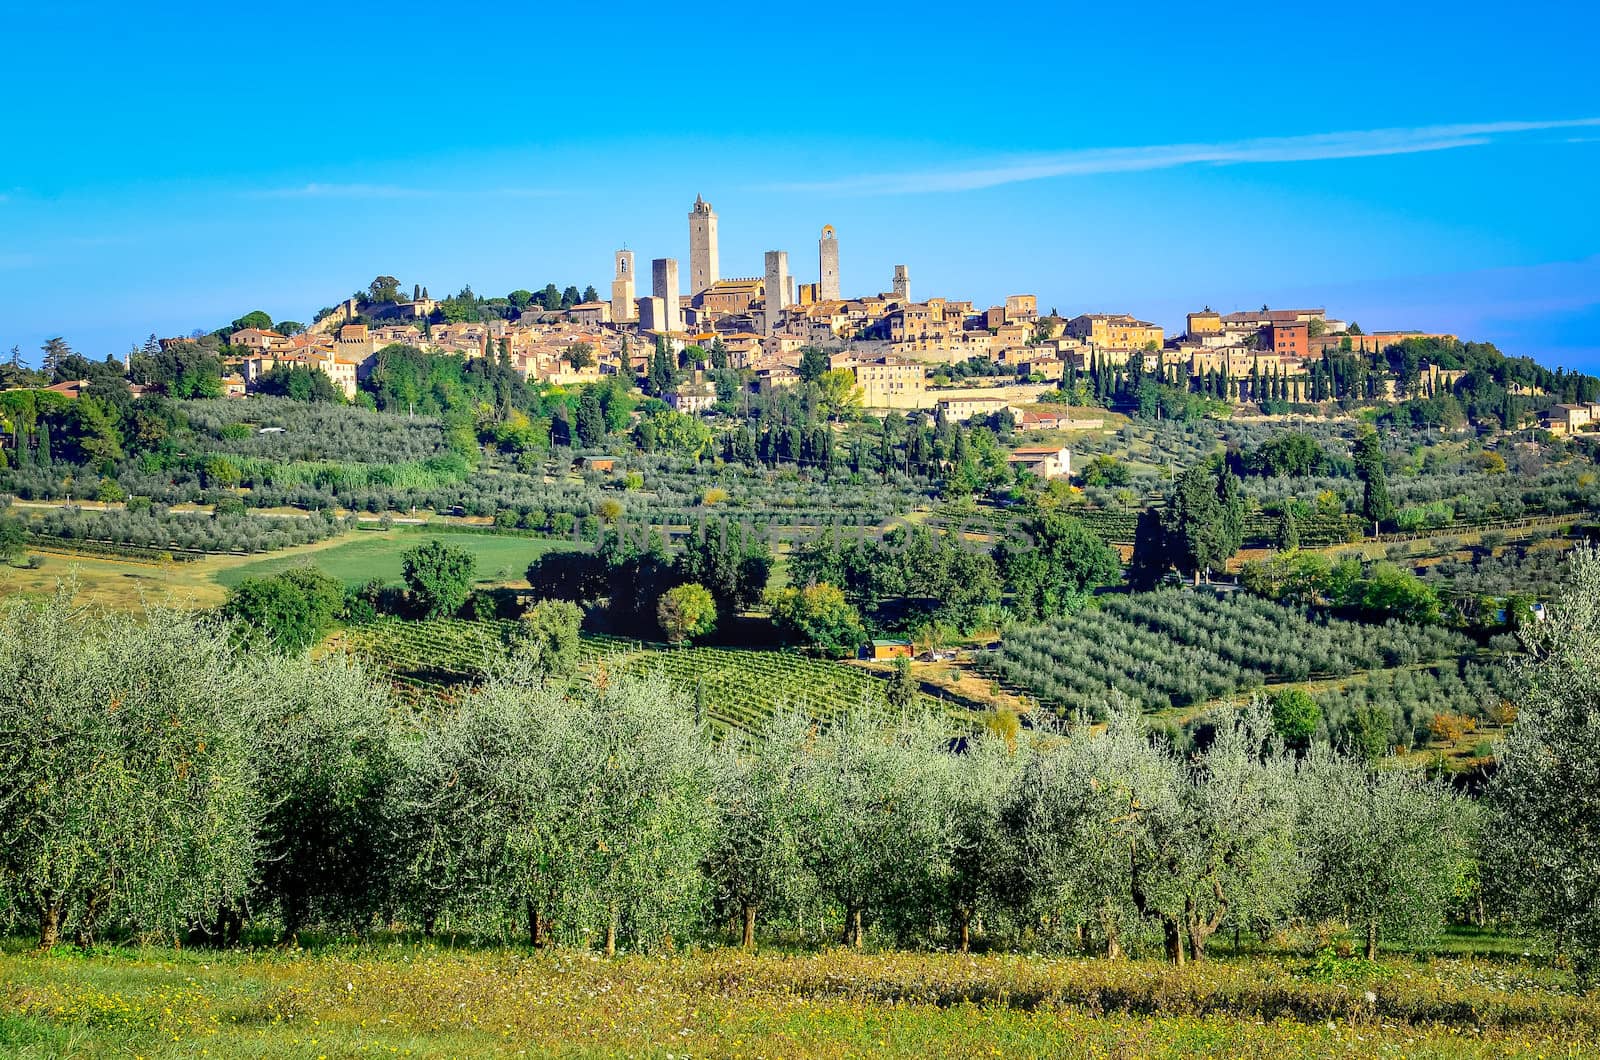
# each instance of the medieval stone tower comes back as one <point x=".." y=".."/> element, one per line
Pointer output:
<point x="777" y="288"/>
<point x="702" y="246"/>
<point x="622" y="288"/>
<point x="828" y="266"/>
<point x="664" y="285"/>
<point x="902" y="283"/>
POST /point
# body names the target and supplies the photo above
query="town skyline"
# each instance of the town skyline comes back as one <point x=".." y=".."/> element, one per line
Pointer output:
<point x="1407" y="200"/>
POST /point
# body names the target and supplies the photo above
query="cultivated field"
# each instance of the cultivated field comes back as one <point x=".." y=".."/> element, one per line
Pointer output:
<point x="736" y="687"/>
<point x="408" y="1000"/>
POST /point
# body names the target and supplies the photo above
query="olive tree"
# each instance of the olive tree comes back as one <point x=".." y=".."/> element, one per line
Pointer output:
<point x="976" y="784"/>
<point x="589" y="811"/>
<point x="1388" y="848"/>
<point x="125" y="789"/>
<point x="639" y="797"/>
<point x="1541" y="841"/>
<point x="1113" y="829"/>
<point x="1067" y="864"/>
<point x="870" y="819"/>
<point x="754" y="860"/>
<point x="479" y="806"/>
<point x="1244" y="862"/>
<point x="548" y="635"/>
<point x="326" y="758"/>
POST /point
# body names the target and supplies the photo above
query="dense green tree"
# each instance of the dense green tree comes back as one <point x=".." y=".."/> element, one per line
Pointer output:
<point x="288" y="612"/>
<point x="13" y="539"/>
<point x="1204" y="518"/>
<point x="590" y="423"/>
<point x="730" y="560"/>
<point x="580" y="355"/>
<point x="1295" y="718"/>
<point x="1389" y="591"/>
<point x="685" y="612"/>
<point x="1150" y="561"/>
<point x="813" y="363"/>
<point x="817" y="616"/>
<point x="438" y="576"/>
<point x="1286" y="538"/>
<point x="901" y="694"/>
<point x="662" y="376"/>
<point x="299" y="383"/>
<point x="1105" y="470"/>
<point x="384" y="289"/>
<point x="254" y="319"/>
<point x="55" y="352"/>
<point x="1055" y="565"/>
<point x="1288" y="453"/>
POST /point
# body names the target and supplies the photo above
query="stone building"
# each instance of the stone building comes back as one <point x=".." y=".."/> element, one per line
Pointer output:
<point x="892" y="384"/>
<point x="732" y="297"/>
<point x="623" y="291"/>
<point x="827" y="266"/>
<point x="703" y="270"/>
<point x="1114" y="331"/>
<point x="777" y="289"/>
<point x="902" y="283"/>
<point x="664" y="285"/>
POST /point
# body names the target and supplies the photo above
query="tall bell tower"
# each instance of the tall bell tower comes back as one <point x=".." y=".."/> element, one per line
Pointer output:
<point x="703" y="271"/>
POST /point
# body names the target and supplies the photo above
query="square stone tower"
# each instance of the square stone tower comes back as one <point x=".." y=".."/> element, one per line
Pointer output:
<point x="828" y="266"/>
<point x="664" y="285"/>
<point x="622" y="288"/>
<point x="652" y="314"/>
<point x="902" y="283"/>
<point x="703" y="271"/>
<point x="777" y="288"/>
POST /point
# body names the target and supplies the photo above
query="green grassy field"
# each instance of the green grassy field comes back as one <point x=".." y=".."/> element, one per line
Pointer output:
<point x="354" y="558"/>
<point x="410" y="1000"/>
<point x="359" y="558"/>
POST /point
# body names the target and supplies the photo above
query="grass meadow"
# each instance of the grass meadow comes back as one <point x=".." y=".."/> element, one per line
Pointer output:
<point x="400" y="999"/>
<point x="354" y="558"/>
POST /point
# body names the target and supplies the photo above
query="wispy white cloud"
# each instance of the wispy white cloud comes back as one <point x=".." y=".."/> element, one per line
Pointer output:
<point x="1369" y="143"/>
<point x="317" y="190"/>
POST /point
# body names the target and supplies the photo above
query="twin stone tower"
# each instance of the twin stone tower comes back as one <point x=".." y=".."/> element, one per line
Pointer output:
<point x="663" y="306"/>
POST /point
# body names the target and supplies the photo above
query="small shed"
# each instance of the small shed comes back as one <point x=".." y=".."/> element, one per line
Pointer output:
<point x="886" y="649"/>
<point x="597" y="463"/>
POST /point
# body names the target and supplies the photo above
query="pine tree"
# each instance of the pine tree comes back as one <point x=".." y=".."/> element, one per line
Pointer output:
<point x="55" y="351"/>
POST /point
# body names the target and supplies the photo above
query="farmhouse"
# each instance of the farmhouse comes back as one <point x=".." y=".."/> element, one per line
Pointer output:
<point x="1043" y="461"/>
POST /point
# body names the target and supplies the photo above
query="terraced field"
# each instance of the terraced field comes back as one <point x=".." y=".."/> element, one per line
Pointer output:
<point x="737" y="687"/>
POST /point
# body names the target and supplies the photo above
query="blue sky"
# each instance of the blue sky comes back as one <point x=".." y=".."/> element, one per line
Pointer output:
<point x="173" y="166"/>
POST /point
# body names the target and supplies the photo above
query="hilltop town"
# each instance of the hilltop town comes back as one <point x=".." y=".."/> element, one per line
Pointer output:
<point x="943" y="355"/>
